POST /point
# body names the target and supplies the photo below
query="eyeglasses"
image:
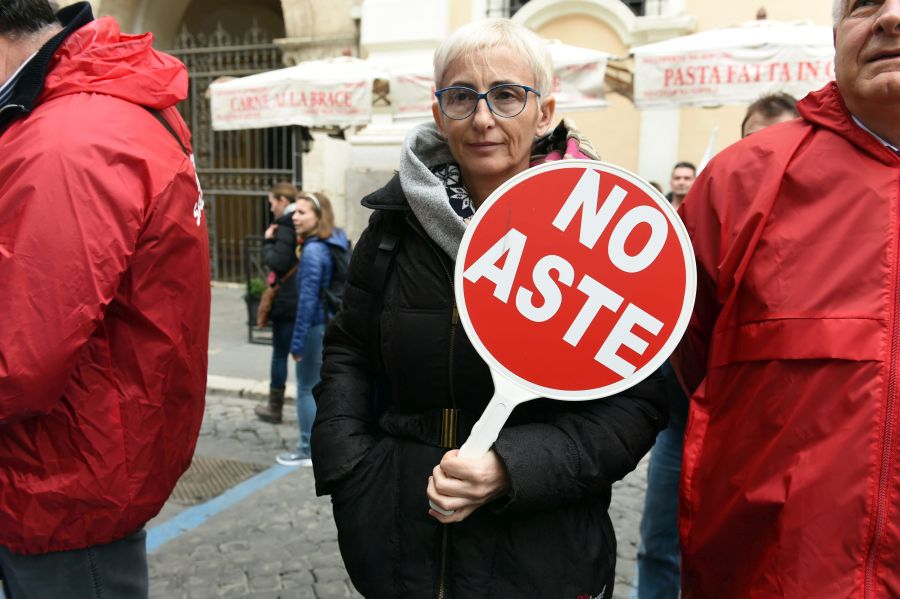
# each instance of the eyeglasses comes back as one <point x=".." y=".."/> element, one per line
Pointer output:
<point x="506" y="100"/>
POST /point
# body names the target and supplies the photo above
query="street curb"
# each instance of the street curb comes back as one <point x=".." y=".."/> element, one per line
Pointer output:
<point x="249" y="388"/>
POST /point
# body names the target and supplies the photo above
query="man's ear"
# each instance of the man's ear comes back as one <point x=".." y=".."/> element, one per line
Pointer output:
<point x="436" y="113"/>
<point x="546" y="109"/>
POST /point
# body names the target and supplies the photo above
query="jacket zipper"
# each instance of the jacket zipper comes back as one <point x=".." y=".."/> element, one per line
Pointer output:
<point x="454" y="323"/>
<point x="887" y="442"/>
<point x="442" y="588"/>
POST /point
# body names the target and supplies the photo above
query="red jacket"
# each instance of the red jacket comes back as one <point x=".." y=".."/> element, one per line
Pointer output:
<point x="791" y="473"/>
<point x="104" y="312"/>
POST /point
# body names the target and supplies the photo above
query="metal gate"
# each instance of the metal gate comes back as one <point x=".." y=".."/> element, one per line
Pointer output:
<point x="236" y="168"/>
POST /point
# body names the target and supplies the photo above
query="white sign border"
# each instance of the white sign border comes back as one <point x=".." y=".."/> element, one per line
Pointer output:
<point x="683" y="318"/>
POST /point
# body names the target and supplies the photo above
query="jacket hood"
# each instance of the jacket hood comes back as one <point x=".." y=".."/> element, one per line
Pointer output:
<point x="825" y="108"/>
<point x="338" y="239"/>
<point x="99" y="58"/>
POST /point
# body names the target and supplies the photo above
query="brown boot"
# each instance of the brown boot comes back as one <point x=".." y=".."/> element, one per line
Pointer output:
<point x="271" y="411"/>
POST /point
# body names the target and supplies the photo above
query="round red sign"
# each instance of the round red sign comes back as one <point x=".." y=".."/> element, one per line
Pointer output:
<point x="575" y="279"/>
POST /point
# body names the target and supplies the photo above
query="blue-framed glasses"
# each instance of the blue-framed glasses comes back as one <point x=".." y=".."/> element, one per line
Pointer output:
<point x="506" y="100"/>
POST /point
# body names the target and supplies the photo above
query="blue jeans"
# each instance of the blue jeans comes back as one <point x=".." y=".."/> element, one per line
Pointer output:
<point x="116" y="570"/>
<point x="308" y="374"/>
<point x="282" y="330"/>
<point x="659" y="556"/>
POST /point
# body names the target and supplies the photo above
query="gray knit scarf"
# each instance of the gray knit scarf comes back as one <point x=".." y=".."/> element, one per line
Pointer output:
<point x="424" y="149"/>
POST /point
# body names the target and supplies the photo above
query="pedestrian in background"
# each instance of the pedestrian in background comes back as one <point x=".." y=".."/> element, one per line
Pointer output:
<point x="280" y="255"/>
<point x="768" y="110"/>
<point x="104" y="263"/>
<point x="402" y="384"/>
<point x="791" y="481"/>
<point x="314" y="225"/>
<point x="683" y="175"/>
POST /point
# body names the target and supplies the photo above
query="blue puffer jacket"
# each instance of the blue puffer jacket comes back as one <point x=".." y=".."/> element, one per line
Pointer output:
<point x="313" y="274"/>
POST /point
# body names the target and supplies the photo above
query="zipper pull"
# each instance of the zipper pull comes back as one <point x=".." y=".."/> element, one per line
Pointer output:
<point x="454" y="319"/>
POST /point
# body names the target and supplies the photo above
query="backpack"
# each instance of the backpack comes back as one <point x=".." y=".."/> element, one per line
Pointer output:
<point x="333" y="293"/>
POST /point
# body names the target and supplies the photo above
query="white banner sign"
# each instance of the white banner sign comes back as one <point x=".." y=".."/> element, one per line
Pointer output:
<point x="292" y="103"/>
<point x="335" y="91"/>
<point x="730" y="76"/>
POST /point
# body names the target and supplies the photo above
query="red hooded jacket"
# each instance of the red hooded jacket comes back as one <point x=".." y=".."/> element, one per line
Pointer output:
<point x="791" y="473"/>
<point x="104" y="313"/>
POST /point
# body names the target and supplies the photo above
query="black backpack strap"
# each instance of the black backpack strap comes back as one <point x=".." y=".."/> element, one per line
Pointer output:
<point x="333" y="252"/>
<point x="159" y="117"/>
<point x="388" y="244"/>
<point x="393" y="226"/>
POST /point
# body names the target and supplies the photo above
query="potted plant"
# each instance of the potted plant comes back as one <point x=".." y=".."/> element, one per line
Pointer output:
<point x="255" y="288"/>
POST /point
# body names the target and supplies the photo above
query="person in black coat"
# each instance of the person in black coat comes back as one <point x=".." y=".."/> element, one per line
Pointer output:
<point x="280" y="255"/>
<point x="402" y="384"/>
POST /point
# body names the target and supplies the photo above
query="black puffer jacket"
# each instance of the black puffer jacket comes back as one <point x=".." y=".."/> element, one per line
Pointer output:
<point x="552" y="536"/>
<point x="280" y="255"/>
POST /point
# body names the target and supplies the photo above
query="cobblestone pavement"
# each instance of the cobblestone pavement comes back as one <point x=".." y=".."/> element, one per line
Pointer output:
<point x="281" y="541"/>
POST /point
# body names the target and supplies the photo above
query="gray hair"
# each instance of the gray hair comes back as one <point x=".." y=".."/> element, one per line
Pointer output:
<point x="837" y="11"/>
<point x="20" y="18"/>
<point x="497" y="33"/>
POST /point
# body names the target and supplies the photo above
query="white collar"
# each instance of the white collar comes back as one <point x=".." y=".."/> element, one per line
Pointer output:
<point x="9" y="83"/>
<point x="873" y="134"/>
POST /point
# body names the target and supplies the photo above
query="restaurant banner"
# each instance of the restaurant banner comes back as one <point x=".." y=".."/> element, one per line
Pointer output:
<point x="734" y="65"/>
<point x="729" y="76"/>
<point x="317" y="93"/>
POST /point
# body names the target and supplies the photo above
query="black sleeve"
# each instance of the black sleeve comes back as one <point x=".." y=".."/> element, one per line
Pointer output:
<point x="280" y="252"/>
<point x="346" y="421"/>
<point x="584" y="449"/>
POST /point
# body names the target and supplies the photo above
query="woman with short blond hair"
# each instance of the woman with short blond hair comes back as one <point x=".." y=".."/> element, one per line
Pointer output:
<point x="402" y="385"/>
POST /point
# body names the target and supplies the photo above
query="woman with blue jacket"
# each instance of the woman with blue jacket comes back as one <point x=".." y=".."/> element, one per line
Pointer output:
<point x="313" y="220"/>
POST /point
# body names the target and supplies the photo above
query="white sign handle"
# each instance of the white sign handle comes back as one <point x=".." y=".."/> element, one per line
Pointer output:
<point x="507" y="395"/>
